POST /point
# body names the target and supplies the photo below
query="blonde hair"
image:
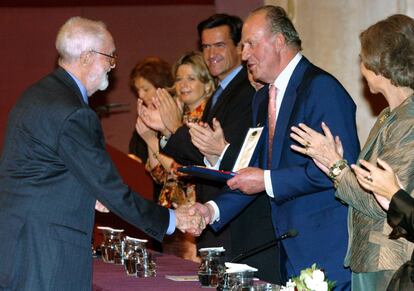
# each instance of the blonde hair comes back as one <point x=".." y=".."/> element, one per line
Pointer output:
<point x="196" y="61"/>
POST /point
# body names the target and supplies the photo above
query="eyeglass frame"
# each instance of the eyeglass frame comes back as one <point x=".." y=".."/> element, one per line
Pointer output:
<point x="112" y="58"/>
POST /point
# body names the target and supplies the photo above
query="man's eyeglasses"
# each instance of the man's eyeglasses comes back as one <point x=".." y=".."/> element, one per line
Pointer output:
<point x="112" y="58"/>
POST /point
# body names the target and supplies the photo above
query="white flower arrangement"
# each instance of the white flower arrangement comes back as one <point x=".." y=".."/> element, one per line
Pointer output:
<point x="310" y="279"/>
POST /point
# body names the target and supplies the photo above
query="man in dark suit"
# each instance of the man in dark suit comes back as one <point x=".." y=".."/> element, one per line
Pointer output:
<point x="301" y="196"/>
<point x="230" y="105"/>
<point x="55" y="167"/>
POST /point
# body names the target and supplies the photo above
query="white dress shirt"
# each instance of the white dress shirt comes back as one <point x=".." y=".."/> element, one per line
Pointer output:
<point x="281" y="84"/>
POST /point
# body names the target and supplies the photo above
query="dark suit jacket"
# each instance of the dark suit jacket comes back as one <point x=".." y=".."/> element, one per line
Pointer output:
<point x="304" y="196"/>
<point x="391" y="139"/>
<point x="252" y="227"/>
<point x="400" y="216"/>
<point x="53" y="168"/>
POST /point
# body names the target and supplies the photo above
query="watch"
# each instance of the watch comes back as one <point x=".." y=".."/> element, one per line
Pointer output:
<point x="336" y="169"/>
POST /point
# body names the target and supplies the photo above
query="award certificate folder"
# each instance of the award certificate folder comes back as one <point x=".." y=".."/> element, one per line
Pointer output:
<point x="206" y="173"/>
<point x="249" y="145"/>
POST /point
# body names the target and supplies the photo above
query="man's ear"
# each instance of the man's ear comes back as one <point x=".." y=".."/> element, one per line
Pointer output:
<point x="280" y="40"/>
<point x="86" y="58"/>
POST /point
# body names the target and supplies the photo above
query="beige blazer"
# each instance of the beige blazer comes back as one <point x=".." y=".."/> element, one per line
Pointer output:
<point x="369" y="248"/>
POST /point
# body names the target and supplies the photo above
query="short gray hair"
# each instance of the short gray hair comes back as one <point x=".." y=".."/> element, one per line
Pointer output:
<point x="78" y="35"/>
<point x="279" y="22"/>
<point x="387" y="49"/>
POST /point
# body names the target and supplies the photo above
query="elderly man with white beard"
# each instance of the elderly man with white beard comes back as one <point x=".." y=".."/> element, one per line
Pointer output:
<point x="54" y="168"/>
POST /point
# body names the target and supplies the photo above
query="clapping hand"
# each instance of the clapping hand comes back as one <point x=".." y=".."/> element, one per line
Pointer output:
<point x="150" y="116"/>
<point x="144" y="131"/>
<point x="209" y="141"/>
<point x="324" y="149"/>
<point x="170" y="109"/>
<point x="381" y="181"/>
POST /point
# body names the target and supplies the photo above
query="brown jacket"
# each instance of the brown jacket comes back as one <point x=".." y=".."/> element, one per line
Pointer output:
<point x="369" y="248"/>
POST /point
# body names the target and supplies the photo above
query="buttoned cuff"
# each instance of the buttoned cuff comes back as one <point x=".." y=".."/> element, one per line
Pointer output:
<point x="163" y="141"/>
<point x="216" y="214"/>
<point x="268" y="184"/>
<point x="171" y="224"/>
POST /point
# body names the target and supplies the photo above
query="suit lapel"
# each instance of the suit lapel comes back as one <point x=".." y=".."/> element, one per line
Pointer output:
<point x="383" y="120"/>
<point x="225" y="95"/>
<point x="207" y="109"/>
<point x="260" y="100"/>
<point x="259" y="103"/>
<point x="289" y="100"/>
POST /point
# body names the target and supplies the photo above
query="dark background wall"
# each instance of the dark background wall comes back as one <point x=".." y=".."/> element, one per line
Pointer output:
<point x="27" y="52"/>
<point x="27" y="35"/>
<point x="166" y="28"/>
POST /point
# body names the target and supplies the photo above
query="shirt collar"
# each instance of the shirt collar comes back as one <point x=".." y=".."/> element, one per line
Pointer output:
<point x="81" y="87"/>
<point x="282" y="80"/>
<point x="229" y="77"/>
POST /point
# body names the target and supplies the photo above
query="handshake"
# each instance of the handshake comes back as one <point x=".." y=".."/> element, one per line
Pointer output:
<point x="193" y="218"/>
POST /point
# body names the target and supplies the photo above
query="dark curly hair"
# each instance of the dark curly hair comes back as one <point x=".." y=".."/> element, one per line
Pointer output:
<point x="387" y="49"/>
<point x="155" y="70"/>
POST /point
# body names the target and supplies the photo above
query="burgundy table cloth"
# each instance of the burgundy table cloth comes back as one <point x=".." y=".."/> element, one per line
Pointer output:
<point x="110" y="277"/>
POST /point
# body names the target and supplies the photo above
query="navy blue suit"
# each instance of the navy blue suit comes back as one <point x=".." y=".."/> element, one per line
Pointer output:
<point x="304" y="196"/>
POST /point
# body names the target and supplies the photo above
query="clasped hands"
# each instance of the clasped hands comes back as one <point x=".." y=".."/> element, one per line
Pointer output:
<point x="193" y="218"/>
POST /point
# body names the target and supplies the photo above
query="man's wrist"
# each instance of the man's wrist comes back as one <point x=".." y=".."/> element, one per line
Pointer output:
<point x="174" y="128"/>
<point x="223" y="148"/>
<point x="213" y="211"/>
